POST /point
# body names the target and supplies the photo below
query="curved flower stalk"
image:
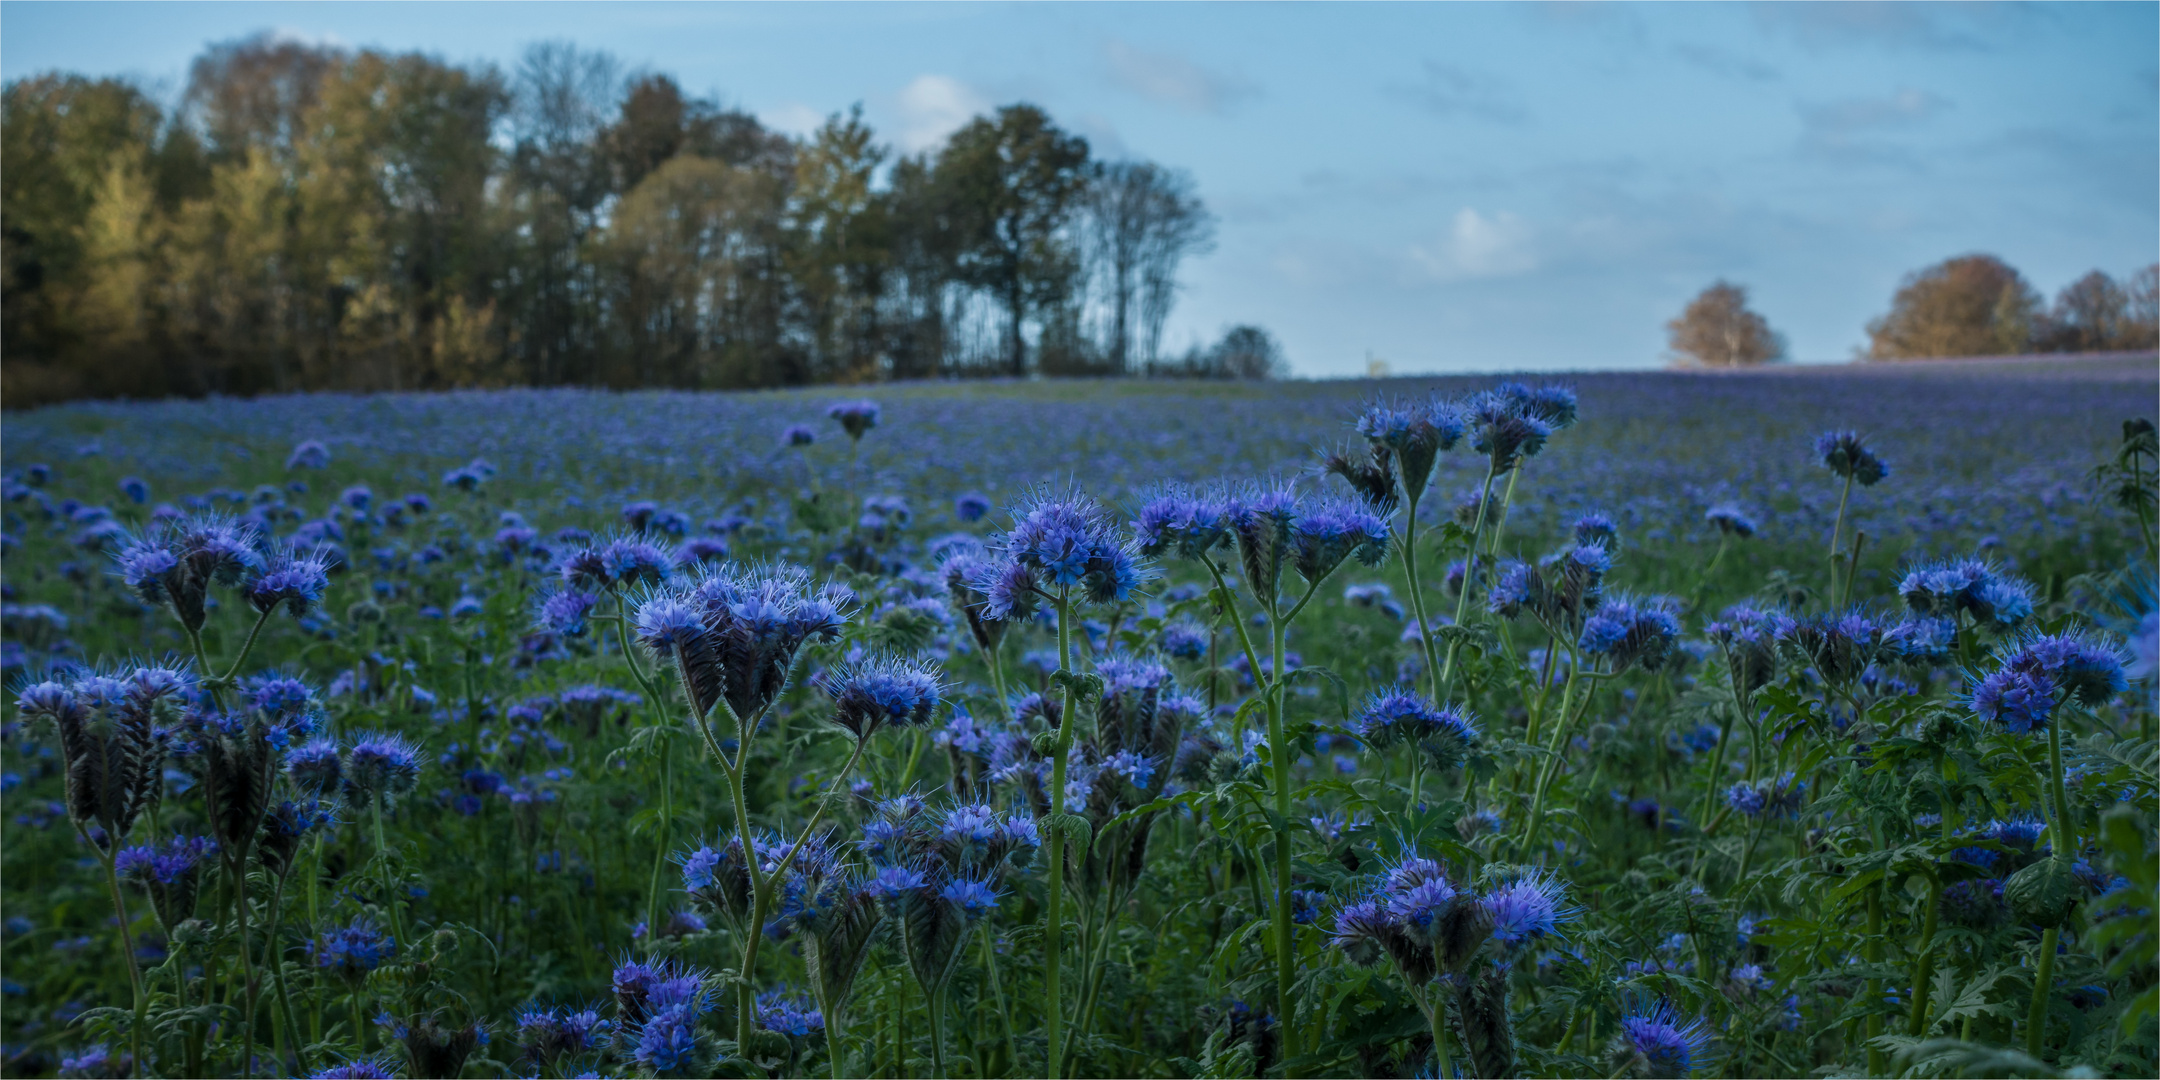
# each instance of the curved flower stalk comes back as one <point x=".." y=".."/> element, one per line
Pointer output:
<point x="1141" y="724"/>
<point x="1406" y="440"/>
<point x="1270" y="529"/>
<point x="938" y="875"/>
<point x="112" y="758"/>
<point x="1439" y="934"/>
<point x="1847" y="456"/>
<point x="1065" y="550"/>
<point x="1625" y="632"/>
<point x="2039" y="675"/>
<point x="733" y="634"/>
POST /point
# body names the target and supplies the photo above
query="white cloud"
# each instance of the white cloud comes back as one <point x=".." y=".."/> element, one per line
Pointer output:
<point x="1478" y="246"/>
<point x="932" y="107"/>
<point x="793" y="118"/>
<point x="1172" y="80"/>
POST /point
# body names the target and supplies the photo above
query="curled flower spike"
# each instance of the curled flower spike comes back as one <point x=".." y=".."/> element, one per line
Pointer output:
<point x="1750" y="638"/>
<point x="296" y="581"/>
<point x="882" y="691"/>
<point x="1598" y="530"/>
<point x="350" y="952"/>
<point x="1502" y="431"/>
<point x="1444" y="734"/>
<point x="855" y="417"/>
<point x="792" y="1016"/>
<point x="1840" y="645"/>
<point x="1414" y="436"/>
<point x="1060" y="542"/>
<point x="1657" y="1041"/>
<point x="1843" y="453"/>
<point x="1730" y="520"/>
<point x="1326" y="534"/>
<point x="2041" y="671"/>
<point x="309" y="455"/>
<point x="1631" y="631"/>
<point x="380" y="765"/>
<point x="564" y="612"/>
<point x="1179" y="521"/>
<point x="798" y="435"/>
<point x="1528" y="908"/>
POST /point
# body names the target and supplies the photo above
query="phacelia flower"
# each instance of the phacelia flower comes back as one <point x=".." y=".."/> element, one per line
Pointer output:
<point x="1844" y="453"/>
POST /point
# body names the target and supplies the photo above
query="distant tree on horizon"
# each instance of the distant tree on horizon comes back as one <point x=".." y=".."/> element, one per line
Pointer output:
<point x="2094" y="314"/>
<point x="1718" y="330"/>
<point x="1971" y="305"/>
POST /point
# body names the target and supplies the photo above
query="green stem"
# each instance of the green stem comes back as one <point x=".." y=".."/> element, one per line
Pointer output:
<point x="1279" y="761"/>
<point x="2043" y="981"/>
<point x="1417" y="594"/>
<point x="288" y="1031"/>
<point x="1837" y="533"/>
<point x="997" y="994"/>
<point x="1462" y="599"/>
<point x="1054" y="892"/>
<point x="667" y="830"/>
<point x="127" y="954"/>
<point x="1878" y="1061"/>
<point x="246" y="647"/>
<point x="390" y="900"/>
<point x="935" y="1002"/>
<point x="1436" y="1014"/>
<point x="1924" y="962"/>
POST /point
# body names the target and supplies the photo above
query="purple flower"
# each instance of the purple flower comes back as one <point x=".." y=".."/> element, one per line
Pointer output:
<point x="879" y="691"/>
<point x="1844" y="453"/>
<point x="855" y="417"/>
<point x="1657" y="1041"/>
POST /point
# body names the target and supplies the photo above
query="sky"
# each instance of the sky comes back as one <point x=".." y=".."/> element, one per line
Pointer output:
<point x="1442" y="187"/>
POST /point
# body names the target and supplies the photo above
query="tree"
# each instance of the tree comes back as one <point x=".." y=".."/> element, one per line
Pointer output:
<point x="256" y="93"/>
<point x="1717" y="330"/>
<point x="841" y="250"/>
<point x="2094" y="314"/>
<point x="1142" y="221"/>
<point x="1246" y="352"/>
<point x="1972" y="305"/>
<point x="1013" y="181"/>
<point x="2143" y="315"/>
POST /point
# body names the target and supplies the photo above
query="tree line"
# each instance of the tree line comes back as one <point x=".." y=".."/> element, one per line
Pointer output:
<point x="1972" y="305"/>
<point x="311" y="218"/>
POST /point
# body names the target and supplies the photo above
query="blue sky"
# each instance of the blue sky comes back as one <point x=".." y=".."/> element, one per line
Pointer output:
<point x="1444" y="186"/>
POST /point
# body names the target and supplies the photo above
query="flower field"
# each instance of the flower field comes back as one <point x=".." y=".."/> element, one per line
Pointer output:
<point x="1773" y="724"/>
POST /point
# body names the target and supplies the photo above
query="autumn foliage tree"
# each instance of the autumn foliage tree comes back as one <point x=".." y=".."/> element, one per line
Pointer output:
<point x="1718" y="330"/>
<point x="1972" y="305"/>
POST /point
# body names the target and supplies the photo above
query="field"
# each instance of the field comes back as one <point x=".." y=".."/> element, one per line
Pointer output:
<point x="357" y="726"/>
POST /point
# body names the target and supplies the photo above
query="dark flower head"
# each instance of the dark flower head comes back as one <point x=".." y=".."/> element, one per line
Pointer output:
<point x="1502" y="431"/>
<point x="1597" y="529"/>
<point x="881" y="691"/>
<point x="1631" y="631"/>
<point x="296" y="581"/>
<point x="1843" y="453"/>
<point x="1333" y="530"/>
<point x="1369" y="474"/>
<point x="1657" y="1041"/>
<point x="1840" y="645"/>
<point x="971" y="506"/>
<point x="1066" y="541"/>
<point x="351" y="951"/>
<point x="1414" y="436"/>
<point x="1180" y="521"/>
<point x="798" y="435"/>
<point x="855" y="417"/>
<point x="1750" y="638"/>
<point x="380" y="765"/>
<point x="1730" y="520"/>
<point x="564" y="612"/>
<point x="316" y="768"/>
<point x="1401" y="716"/>
<point x="1261" y="517"/>
<point x="1528" y="908"/>
<point x="309" y="455"/>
